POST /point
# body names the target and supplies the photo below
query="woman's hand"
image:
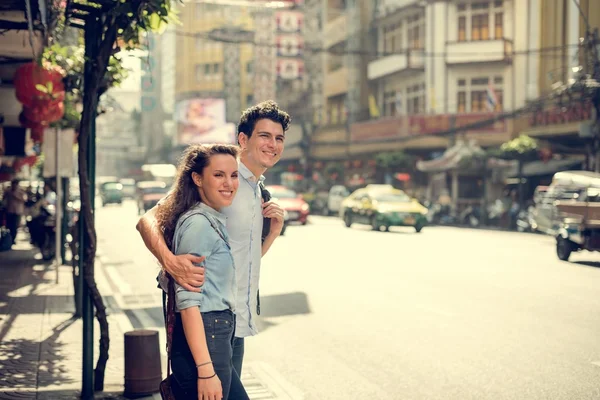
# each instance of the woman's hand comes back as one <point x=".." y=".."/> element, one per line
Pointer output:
<point x="209" y="389"/>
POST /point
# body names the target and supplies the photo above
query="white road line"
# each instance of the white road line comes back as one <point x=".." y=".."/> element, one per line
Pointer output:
<point x="596" y="363"/>
<point x="122" y="286"/>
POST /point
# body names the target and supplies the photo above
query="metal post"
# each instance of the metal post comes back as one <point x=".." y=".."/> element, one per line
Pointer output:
<point x="65" y="218"/>
<point x="87" y="386"/>
<point x="58" y="209"/>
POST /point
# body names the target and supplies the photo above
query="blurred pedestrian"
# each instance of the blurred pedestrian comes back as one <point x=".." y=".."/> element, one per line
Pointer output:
<point x="14" y="201"/>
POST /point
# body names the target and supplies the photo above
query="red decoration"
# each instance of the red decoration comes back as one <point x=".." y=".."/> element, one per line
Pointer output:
<point x="45" y="113"/>
<point x="30" y="75"/>
<point x="402" y="177"/>
<point x="27" y="123"/>
<point x="37" y="134"/>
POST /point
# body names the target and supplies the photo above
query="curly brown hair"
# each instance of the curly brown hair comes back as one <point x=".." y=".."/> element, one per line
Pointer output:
<point x="265" y="110"/>
<point x="184" y="193"/>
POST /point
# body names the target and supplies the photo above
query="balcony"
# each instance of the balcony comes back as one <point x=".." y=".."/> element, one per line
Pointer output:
<point x="335" y="31"/>
<point x="395" y="63"/>
<point x="479" y="51"/>
<point x="336" y="82"/>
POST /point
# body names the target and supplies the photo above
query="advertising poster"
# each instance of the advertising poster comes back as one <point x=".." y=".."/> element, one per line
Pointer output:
<point x="202" y="121"/>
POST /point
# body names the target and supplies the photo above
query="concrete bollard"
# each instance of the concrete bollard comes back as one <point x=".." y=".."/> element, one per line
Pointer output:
<point x="143" y="372"/>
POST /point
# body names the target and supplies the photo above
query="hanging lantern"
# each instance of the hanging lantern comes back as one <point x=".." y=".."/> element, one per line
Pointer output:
<point x="27" y="123"/>
<point x="45" y="114"/>
<point x="29" y="76"/>
<point x="37" y="134"/>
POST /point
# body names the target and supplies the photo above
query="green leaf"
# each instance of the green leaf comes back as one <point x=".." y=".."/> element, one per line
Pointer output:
<point x="41" y="88"/>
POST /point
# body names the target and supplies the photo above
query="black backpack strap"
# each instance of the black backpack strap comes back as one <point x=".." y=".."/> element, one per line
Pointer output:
<point x="266" y="196"/>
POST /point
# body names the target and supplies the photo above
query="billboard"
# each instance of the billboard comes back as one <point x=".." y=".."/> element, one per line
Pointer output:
<point x="203" y="121"/>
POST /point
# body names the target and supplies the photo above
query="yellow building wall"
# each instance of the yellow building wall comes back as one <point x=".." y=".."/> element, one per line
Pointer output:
<point x="194" y="49"/>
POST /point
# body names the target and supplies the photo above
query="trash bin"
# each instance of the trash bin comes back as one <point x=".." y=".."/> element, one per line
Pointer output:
<point x="142" y="363"/>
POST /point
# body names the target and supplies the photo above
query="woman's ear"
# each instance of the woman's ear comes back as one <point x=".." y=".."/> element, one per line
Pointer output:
<point x="197" y="179"/>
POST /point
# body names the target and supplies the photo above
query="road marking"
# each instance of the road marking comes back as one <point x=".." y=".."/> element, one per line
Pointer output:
<point x="263" y="382"/>
<point x="117" y="280"/>
<point x="596" y="363"/>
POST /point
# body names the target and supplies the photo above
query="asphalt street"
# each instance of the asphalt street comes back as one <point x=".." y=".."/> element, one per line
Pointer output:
<point x="449" y="313"/>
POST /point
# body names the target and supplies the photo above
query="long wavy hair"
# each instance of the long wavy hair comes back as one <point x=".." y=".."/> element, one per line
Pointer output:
<point x="184" y="193"/>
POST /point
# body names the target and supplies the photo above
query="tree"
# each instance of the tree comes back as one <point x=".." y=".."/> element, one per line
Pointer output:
<point x="109" y="26"/>
<point x="395" y="160"/>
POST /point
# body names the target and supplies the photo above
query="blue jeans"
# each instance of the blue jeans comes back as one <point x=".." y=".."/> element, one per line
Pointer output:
<point x="219" y="329"/>
<point x="238" y="354"/>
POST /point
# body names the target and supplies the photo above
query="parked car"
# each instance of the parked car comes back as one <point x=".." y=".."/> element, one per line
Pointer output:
<point x="128" y="187"/>
<point x="111" y="193"/>
<point x="149" y="193"/>
<point x="337" y="194"/>
<point x="382" y="206"/>
<point x="295" y="206"/>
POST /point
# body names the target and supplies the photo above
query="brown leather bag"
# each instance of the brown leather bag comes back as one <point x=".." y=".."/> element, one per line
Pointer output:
<point x="165" y="386"/>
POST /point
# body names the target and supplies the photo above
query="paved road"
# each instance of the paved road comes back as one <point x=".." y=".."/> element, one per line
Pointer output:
<point x="445" y="314"/>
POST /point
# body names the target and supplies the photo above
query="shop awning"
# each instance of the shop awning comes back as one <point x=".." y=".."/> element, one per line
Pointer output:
<point x="538" y="168"/>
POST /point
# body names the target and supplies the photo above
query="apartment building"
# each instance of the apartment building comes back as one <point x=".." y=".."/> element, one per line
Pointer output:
<point x="201" y="68"/>
<point x="566" y="123"/>
<point x="442" y="64"/>
<point x="345" y="85"/>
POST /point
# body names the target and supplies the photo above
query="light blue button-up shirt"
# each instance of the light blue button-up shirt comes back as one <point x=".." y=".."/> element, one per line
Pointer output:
<point x="194" y="234"/>
<point x="244" y="225"/>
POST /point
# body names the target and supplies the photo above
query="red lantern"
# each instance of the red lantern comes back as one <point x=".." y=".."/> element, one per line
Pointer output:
<point x="45" y="114"/>
<point x="30" y="75"/>
<point x="27" y="123"/>
<point x="37" y="134"/>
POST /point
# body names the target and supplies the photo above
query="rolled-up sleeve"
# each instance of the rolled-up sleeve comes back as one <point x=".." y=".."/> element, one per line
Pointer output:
<point x="195" y="236"/>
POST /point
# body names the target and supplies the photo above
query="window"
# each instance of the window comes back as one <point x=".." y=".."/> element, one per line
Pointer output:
<point x="393" y="38"/>
<point x="462" y="29"/>
<point x="472" y="95"/>
<point x="199" y="74"/>
<point x="415" y="99"/>
<point x="249" y="100"/>
<point x="416" y="31"/>
<point x="216" y="69"/>
<point x="249" y="68"/>
<point x="199" y="44"/>
<point x="483" y="20"/>
<point x="389" y="103"/>
<point x="206" y="69"/>
<point x="336" y="111"/>
<point x="199" y="10"/>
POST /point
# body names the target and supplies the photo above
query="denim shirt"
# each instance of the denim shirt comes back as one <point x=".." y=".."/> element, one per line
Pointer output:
<point x="244" y="224"/>
<point x="195" y="235"/>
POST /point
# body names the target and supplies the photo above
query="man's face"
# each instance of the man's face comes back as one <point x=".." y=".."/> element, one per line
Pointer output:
<point x="264" y="147"/>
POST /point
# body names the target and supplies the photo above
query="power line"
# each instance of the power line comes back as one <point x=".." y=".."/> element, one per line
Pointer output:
<point x="341" y="52"/>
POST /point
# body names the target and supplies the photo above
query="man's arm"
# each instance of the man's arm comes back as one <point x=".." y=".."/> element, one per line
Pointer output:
<point x="180" y="267"/>
<point x="275" y="212"/>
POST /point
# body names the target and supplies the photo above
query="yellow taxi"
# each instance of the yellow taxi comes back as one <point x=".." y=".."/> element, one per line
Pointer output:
<point x="382" y="206"/>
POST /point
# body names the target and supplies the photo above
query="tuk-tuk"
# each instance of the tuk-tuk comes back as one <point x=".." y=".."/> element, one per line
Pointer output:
<point x="580" y="216"/>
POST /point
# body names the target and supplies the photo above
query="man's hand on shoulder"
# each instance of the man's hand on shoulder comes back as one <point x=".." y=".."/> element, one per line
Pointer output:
<point x="183" y="270"/>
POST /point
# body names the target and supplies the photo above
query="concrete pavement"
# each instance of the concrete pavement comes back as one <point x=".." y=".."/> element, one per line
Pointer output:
<point x="40" y="341"/>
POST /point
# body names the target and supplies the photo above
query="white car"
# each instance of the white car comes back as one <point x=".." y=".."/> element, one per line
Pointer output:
<point x="337" y="194"/>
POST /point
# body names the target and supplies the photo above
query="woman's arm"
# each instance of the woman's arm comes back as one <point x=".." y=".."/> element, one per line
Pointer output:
<point x="181" y="267"/>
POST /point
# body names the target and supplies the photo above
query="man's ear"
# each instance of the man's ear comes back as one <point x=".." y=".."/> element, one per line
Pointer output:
<point x="242" y="140"/>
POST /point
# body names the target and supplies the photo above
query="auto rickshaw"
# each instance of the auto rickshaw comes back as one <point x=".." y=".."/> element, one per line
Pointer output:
<point x="580" y="216"/>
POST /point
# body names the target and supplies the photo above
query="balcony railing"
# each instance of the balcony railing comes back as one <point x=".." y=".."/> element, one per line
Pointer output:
<point x="478" y="51"/>
<point x="388" y="65"/>
<point x="336" y="31"/>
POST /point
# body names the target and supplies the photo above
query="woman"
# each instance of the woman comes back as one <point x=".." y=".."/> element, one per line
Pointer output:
<point x="203" y="327"/>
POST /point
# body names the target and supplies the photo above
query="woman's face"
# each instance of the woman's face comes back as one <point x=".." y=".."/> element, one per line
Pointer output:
<point x="219" y="182"/>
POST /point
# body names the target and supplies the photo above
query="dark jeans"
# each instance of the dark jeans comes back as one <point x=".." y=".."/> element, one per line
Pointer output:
<point x="12" y="223"/>
<point x="238" y="354"/>
<point x="219" y="328"/>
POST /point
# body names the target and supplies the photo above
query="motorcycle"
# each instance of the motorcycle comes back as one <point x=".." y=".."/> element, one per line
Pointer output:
<point x="41" y="224"/>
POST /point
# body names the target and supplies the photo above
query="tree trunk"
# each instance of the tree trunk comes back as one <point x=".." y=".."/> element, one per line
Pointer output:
<point x="90" y="104"/>
<point x="521" y="191"/>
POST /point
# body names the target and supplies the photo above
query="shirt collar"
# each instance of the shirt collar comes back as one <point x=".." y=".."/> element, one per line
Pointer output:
<point x="246" y="173"/>
<point x="212" y="212"/>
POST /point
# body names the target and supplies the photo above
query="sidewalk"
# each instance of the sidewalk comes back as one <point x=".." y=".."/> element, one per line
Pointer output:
<point x="40" y="342"/>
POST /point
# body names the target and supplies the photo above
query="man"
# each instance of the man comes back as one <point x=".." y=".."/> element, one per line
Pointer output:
<point x="14" y="200"/>
<point x="261" y="135"/>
